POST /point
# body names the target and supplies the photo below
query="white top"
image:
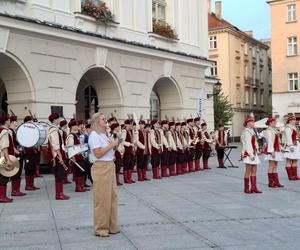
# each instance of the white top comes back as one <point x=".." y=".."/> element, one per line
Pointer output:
<point x="100" y="141"/>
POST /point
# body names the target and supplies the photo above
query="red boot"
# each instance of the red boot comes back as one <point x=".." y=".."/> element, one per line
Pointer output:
<point x="3" y="197"/>
<point x="295" y="174"/>
<point x="28" y="185"/>
<point x="144" y="172"/>
<point x="140" y="175"/>
<point x="37" y="171"/>
<point x="271" y="181"/>
<point x="164" y="171"/>
<point x="289" y="171"/>
<point x="172" y="170"/>
<point x="15" y="188"/>
<point x="155" y="172"/>
<point x="276" y="180"/>
<point x="197" y="165"/>
<point x="126" y="180"/>
<point x="118" y="180"/>
<point x="246" y="186"/>
<point x="191" y="166"/>
<point x="78" y="184"/>
<point x="59" y="192"/>
<point x="205" y="165"/>
<point x="254" y="188"/>
<point x="178" y="169"/>
<point x="130" y="176"/>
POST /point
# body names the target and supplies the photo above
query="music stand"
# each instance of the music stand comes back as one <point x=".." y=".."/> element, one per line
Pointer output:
<point x="227" y="154"/>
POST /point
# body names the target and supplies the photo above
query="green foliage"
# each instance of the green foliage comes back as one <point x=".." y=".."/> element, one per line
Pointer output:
<point x="268" y="111"/>
<point x="97" y="10"/>
<point x="223" y="109"/>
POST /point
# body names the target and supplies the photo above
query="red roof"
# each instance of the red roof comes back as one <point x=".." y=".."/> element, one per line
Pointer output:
<point x="216" y="23"/>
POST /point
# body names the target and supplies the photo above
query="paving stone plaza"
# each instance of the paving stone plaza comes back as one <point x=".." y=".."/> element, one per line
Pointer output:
<point x="203" y="210"/>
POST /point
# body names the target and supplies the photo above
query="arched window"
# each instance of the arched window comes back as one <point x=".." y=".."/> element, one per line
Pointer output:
<point x="90" y="101"/>
<point x="154" y="106"/>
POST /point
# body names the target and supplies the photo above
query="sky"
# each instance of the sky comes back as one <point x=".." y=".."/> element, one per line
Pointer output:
<point x="248" y="15"/>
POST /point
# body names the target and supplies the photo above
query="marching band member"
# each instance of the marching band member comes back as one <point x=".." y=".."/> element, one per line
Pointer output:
<point x="30" y="156"/>
<point x="292" y="148"/>
<point x="199" y="143"/>
<point x="206" y="145"/>
<point x="250" y="155"/>
<point x="128" y="142"/>
<point x="272" y="152"/>
<point x="7" y="148"/>
<point x="180" y="149"/>
<point x="156" y="148"/>
<point x="16" y="179"/>
<point x="190" y="123"/>
<point x="185" y="144"/>
<point x="171" y="137"/>
<point x="63" y="125"/>
<point x="55" y="145"/>
<point x="115" y="131"/>
<point x="221" y="139"/>
<point x="166" y="148"/>
<point x="142" y="152"/>
<point x="71" y="140"/>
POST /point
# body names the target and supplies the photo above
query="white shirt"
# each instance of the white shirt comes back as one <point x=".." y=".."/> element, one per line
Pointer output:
<point x="100" y="141"/>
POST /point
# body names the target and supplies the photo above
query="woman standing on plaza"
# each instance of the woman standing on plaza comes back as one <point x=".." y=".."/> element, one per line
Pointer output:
<point x="272" y="152"/>
<point x="292" y="148"/>
<point x="250" y="155"/>
<point x="104" y="182"/>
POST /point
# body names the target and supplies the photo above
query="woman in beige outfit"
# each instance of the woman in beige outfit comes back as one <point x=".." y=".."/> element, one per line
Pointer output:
<point x="103" y="173"/>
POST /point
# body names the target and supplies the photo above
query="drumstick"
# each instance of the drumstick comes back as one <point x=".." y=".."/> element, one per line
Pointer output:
<point x="78" y="165"/>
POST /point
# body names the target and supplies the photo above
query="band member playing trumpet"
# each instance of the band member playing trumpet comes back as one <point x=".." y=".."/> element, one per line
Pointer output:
<point x="292" y="148"/>
<point x="7" y="148"/>
<point x="55" y="144"/>
<point x="16" y="179"/>
<point x="206" y="145"/>
<point x="250" y="155"/>
<point x="115" y="134"/>
<point x="71" y="140"/>
<point x="171" y="137"/>
<point x="166" y="148"/>
<point x="30" y="162"/>
<point x="272" y="152"/>
<point x="156" y="148"/>
<point x="221" y="140"/>
<point x="128" y="142"/>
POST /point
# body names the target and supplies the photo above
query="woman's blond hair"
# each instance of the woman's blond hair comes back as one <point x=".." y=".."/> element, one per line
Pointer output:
<point x="94" y="122"/>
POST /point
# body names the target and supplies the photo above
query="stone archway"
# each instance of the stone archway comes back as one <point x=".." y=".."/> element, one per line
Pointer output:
<point x="98" y="90"/>
<point x="16" y="88"/>
<point x="169" y="98"/>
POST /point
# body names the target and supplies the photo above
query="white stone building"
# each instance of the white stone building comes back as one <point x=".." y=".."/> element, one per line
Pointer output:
<point x="52" y="57"/>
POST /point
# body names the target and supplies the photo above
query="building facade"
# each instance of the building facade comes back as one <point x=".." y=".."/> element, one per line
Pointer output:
<point x="285" y="29"/>
<point x="53" y="57"/>
<point x="242" y="65"/>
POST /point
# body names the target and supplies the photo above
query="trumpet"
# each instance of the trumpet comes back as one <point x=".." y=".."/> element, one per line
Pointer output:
<point x="196" y="140"/>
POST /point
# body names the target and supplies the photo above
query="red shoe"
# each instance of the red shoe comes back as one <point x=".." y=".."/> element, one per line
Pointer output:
<point x="28" y="186"/>
<point x="140" y="175"/>
<point x="191" y="166"/>
<point x="59" y="192"/>
<point x="15" y="187"/>
<point x="78" y="185"/>
<point x="155" y="172"/>
<point x="130" y="176"/>
<point x="254" y="188"/>
<point x="3" y="197"/>
<point x="164" y="171"/>
<point x="276" y="180"/>
<point x="197" y="165"/>
<point x="172" y="170"/>
<point x="144" y="172"/>
<point x="290" y="174"/>
<point x="271" y="181"/>
<point x="295" y="173"/>
<point x="178" y="169"/>
<point x="125" y="174"/>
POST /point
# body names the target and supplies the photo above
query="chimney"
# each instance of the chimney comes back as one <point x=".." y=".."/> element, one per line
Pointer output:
<point x="219" y="9"/>
<point x="209" y="6"/>
<point x="249" y="33"/>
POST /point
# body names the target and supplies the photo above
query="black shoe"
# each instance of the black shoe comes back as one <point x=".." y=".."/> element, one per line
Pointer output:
<point x="86" y="185"/>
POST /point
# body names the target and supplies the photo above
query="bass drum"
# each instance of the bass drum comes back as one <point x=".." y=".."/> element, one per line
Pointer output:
<point x="31" y="134"/>
<point x="46" y="126"/>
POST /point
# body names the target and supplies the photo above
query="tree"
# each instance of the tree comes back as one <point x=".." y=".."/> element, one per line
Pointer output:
<point x="223" y="109"/>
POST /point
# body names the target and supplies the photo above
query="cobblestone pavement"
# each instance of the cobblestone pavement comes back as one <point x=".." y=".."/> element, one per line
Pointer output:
<point x="203" y="210"/>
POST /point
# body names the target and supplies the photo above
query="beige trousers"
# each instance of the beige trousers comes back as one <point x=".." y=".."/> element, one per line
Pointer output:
<point x="105" y="198"/>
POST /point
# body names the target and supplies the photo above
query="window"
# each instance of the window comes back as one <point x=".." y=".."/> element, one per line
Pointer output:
<point x="253" y="52"/>
<point x="90" y="101"/>
<point x="246" y="71"/>
<point x="293" y="81"/>
<point x="292" y="46"/>
<point x="262" y="98"/>
<point x="214" y="69"/>
<point x="254" y="97"/>
<point x="291" y="12"/>
<point x="159" y="10"/>
<point x="253" y="75"/>
<point x="212" y="42"/>
<point x="247" y="96"/>
<point x="154" y="106"/>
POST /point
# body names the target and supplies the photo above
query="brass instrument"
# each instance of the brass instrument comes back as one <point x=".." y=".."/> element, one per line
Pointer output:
<point x="12" y="170"/>
<point x="196" y="140"/>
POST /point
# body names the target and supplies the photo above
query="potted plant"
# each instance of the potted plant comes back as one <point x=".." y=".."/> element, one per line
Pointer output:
<point x="164" y="29"/>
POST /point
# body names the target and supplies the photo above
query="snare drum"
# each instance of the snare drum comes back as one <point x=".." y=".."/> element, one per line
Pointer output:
<point x="31" y="134"/>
